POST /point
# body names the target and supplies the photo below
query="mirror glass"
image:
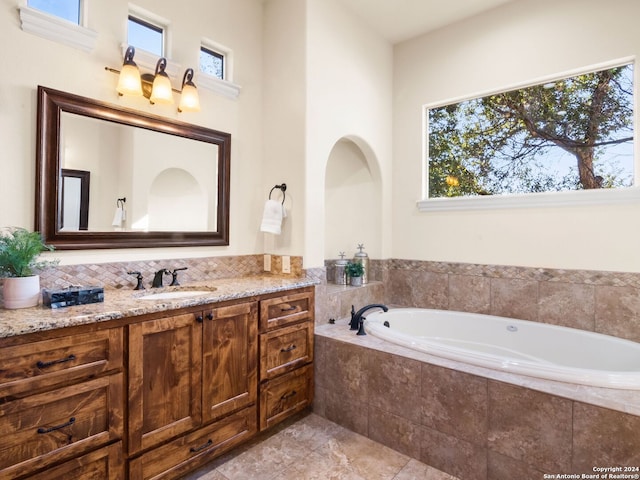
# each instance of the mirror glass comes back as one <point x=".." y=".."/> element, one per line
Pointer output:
<point x="154" y="182"/>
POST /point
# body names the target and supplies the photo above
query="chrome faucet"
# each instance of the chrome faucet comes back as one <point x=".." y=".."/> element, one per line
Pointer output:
<point x="357" y="320"/>
<point x="157" y="277"/>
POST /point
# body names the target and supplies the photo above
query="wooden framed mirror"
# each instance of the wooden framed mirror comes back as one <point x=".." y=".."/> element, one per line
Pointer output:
<point x="174" y="176"/>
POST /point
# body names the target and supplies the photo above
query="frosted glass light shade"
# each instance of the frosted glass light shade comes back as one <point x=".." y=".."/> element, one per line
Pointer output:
<point x="129" y="81"/>
<point x="161" y="91"/>
<point x="189" y="100"/>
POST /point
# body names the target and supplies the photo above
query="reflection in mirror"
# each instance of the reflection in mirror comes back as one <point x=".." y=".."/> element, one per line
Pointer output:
<point x="136" y="164"/>
<point x="75" y="199"/>
<point x="174" y="176"/>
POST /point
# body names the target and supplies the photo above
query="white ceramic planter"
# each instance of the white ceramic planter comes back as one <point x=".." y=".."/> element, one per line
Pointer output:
<point x="21" y="292"/>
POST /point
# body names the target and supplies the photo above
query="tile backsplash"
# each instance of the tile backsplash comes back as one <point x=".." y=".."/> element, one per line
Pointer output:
<point x="114" y="275"/>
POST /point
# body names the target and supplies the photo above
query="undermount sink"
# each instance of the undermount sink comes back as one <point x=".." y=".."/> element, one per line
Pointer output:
<point x="175" y="294"/>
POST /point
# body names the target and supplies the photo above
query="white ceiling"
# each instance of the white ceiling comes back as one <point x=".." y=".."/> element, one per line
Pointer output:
<point x="399" y="20"/>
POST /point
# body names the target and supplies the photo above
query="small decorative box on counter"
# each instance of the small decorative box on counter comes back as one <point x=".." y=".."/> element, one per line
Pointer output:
<point x="67" y="297"/>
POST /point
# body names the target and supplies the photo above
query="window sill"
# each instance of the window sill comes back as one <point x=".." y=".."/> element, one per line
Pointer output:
<point x="57" y="29"/>
<point x="222" y="87"/>
<point x="580" y="198"/>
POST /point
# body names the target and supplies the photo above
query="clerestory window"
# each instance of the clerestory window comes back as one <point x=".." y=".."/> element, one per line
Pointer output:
<point x="145" y="35"/>
<point x="65" y="9"/>
<point x="212" y="63"/>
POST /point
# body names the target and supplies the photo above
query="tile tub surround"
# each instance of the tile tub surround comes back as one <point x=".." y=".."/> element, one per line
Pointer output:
<point x="604" y="302"/>
<point x="468" y="421"/>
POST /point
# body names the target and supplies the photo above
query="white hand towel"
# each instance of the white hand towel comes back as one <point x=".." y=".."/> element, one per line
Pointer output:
<point x="117" y="217"/>
<point x="272" y="217"/>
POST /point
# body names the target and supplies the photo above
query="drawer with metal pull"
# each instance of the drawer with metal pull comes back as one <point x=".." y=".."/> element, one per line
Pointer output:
<point x="286" y="310"/>
<point x="43" y="429"/>
<point x="285" y="349"/>
<point x="285" y="395"/>
<point x="49" y="363"/>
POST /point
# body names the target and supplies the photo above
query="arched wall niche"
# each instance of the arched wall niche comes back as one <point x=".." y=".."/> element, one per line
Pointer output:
<point x="353" y="199"/>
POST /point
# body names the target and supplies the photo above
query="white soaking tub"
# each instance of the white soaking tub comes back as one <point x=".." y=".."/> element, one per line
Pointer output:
<point x="518" y="346"/>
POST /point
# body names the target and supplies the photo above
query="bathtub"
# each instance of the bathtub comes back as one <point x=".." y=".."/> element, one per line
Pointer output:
<point x="517" y="346"/>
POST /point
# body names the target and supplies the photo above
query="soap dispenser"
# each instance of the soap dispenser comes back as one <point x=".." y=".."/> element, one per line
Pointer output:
<point x="340" y="277"/>
<point x="363" y="258"/>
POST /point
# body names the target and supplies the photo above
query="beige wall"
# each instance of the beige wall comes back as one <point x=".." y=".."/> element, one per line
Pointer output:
<point x="511" y="45"/>
<point x="312" y="74"/>
<point x="349" y="84"/>
<point x="29" y="61"/>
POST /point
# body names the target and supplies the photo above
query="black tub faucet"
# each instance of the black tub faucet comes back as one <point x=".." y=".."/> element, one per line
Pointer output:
<point x="357" y="320"/>
<point x="157" y="277"/>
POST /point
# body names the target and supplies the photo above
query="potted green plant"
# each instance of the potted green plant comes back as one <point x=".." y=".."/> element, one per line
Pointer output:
<point x="19" y="264"/>
<point x="355" y="271"/>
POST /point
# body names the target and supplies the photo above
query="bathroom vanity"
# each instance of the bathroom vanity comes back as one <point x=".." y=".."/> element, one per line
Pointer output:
<point x="144" y="389"/>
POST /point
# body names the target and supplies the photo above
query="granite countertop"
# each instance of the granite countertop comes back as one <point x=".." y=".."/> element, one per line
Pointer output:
<point x="127" y="303"/>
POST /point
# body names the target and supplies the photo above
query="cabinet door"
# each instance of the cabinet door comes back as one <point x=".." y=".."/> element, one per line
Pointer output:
<point x="165" y="363"/>
<point x="230" y="359"/>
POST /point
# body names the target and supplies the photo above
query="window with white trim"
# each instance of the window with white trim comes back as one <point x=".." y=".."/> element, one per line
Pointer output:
<point x="569" y="133"/>
<point x="146" y="35"/>
<point x="212" y="62"/>
<point x="65" y="9"/>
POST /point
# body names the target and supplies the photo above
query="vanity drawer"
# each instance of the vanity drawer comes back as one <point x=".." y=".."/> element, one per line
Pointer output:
<point x="285" y="310"/>
<point x="103" y="464"/>
<point x="48" y="363"/>
<point x="285" y="349"/>
<point x="176" y="458"/>
<point x="285" y="395"/>
<point x="39" y="430"/>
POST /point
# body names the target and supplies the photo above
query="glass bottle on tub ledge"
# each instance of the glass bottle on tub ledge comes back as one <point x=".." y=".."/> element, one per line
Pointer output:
<point x="340" y="277"/>
<point x="363" y="258"/>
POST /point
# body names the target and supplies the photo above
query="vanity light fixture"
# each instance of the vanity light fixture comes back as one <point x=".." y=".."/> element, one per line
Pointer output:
<point x="129" y="82"/>
<point x="161" y="91"/>
<point x="157" y="87"/>
<point x="189" y="100"/>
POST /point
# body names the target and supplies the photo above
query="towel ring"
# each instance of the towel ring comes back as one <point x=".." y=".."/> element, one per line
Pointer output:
<point x="120" y="202"/>
<point x="283" y="188"/>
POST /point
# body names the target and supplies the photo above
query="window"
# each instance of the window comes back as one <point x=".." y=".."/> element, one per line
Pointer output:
<point x="66" y="9"/>
<point x="146" y="36"/>
<point x="211" y="62"/>
<point x="573" y="133"/>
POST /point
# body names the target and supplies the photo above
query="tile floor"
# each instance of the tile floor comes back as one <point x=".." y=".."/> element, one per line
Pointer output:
<point x="312" y="447"/>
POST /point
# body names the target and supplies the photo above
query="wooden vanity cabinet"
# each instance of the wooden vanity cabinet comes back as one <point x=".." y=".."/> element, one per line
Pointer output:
<point x="286" y="356"/>
<point x="189" y="374"/>
<point x="61" y="399"/>
<point x="196" y="382"/>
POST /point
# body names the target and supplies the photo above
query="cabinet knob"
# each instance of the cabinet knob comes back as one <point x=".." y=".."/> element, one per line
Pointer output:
<point x="210" y="316"/>
<point x="199" y="319"/>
